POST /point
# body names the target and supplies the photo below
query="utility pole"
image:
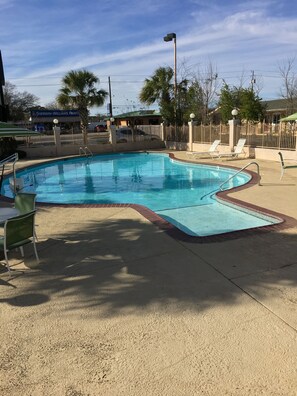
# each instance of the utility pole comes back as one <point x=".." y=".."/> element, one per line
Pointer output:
<point x="110" y="99"/>
<point x="172" y="37"/>
<point x="253" y="80"/>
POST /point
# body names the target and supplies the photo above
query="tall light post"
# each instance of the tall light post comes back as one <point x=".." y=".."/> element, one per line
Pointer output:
<point x="170" y="37"/>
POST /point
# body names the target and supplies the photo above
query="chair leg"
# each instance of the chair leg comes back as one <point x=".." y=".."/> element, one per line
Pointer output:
<point x="7" y="263"/>
<point x="282" y="172"/>
<point x="35" y="250"/>
<point x="22" y="251"/>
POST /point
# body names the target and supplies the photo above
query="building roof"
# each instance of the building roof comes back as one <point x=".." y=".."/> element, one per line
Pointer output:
<point x="276" y="104"/>
<point x="139" y="113"/>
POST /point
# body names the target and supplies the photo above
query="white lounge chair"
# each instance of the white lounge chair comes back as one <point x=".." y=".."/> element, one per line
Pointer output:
<point x="212" y="151"/>
<point x="239" y="149"/>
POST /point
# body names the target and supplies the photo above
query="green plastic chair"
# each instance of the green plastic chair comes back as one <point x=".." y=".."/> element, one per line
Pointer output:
<point x="25" y="202"/>
<point x="18" y="231"/>
<point x="283" y="166"/>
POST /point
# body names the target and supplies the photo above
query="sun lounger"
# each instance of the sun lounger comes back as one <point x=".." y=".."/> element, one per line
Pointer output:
<point x="283" y="166"/>
<point x="212" y="151"/>
<point x="239" y="149"/>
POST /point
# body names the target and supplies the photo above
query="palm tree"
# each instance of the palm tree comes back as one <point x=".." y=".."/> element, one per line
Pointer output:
<point x="79" y="91"/>
<point x="159" y="88"/>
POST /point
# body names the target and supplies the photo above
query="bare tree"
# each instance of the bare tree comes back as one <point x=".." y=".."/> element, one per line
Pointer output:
<point x="208" y="82"/>
<point x="53" y="105"/>
<point x="19" y="103"/>
<point x="288" y="90"/>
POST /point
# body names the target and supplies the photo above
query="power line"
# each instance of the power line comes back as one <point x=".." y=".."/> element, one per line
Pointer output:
<point x="59" y="84"/>
<point x="126" y="82"/>
<point x="38" y="85"/>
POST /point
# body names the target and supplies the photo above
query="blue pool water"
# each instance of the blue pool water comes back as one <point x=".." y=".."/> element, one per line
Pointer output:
<point x="181" y="193"/>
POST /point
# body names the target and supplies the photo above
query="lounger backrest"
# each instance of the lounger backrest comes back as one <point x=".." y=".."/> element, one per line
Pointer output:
<point x="281" y="159"/>
<point x="239" y="146"/>
<point x="214" y="146"/>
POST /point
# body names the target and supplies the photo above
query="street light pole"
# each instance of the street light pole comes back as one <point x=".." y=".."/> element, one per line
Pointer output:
<point x="172" y="37"/>
<point x="110" y="100"/>
<point x="175" y="74"/>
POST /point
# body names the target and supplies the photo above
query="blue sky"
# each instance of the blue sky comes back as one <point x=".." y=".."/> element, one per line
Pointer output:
<point x="40" y="41"/>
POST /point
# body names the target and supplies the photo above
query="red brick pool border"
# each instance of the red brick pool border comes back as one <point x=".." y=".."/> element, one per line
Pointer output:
<point x="176" y="233"/>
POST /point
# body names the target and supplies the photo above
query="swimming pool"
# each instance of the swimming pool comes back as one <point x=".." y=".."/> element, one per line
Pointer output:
<point x="181" y="193"/>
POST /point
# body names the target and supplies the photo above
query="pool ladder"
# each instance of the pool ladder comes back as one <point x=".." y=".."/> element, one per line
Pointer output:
<point x="85" y="150"/>
<point x="10" y="161"/>
<point x="232" y="176"/>
<point x="242" y="169"/>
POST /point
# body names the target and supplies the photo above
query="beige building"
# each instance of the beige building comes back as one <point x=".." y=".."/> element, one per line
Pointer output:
<point x="277" y="109"/>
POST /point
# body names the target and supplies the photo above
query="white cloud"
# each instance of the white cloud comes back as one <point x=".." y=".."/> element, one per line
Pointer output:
<point x="126" y="39"/>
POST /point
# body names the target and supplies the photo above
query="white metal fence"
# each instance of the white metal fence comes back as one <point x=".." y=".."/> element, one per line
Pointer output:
<point x="281" y="136"/>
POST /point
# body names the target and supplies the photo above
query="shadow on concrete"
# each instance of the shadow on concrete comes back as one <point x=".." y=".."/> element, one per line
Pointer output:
<point x="26" y="300"/>
<point x="117" y="266"/>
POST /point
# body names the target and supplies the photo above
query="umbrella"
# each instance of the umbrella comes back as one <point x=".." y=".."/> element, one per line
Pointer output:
<point x="10" y="130"/>
<point x="292" y="117"/>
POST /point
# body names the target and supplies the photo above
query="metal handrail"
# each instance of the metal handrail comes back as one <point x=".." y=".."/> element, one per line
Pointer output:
<point x="11" y="159"/>
<point x="240" y="170"/>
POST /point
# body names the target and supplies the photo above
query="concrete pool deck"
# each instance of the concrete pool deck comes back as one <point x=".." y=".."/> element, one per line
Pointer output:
<point x="118" y="307"/>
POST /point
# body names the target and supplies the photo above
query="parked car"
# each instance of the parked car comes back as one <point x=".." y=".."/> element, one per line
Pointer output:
<point x="101" y="128"/>
<point x="125" y="134"/>
<point x="97" y="127"/>
<point x="92" y="126"/>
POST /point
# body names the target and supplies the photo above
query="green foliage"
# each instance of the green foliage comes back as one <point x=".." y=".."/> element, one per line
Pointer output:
<point x="79" y="92"/>
<point x="160" y="89"/>
<point x="195" y="101"/>
<point x="244" y="99"/>
<point x="226" y="103"/>
<point x="251" y="108"/>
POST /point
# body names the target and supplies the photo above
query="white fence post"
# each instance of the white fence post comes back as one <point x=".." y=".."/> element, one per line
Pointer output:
<point x="232" y="133"/>
<point x="162" y="131"/>
<point x="191" y="124"/>
<point x="57" y="138"/>
<point x="112" y="134"/>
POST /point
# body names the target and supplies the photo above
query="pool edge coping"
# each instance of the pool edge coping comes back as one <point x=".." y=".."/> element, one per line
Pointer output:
<point x="285" y="221"/>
